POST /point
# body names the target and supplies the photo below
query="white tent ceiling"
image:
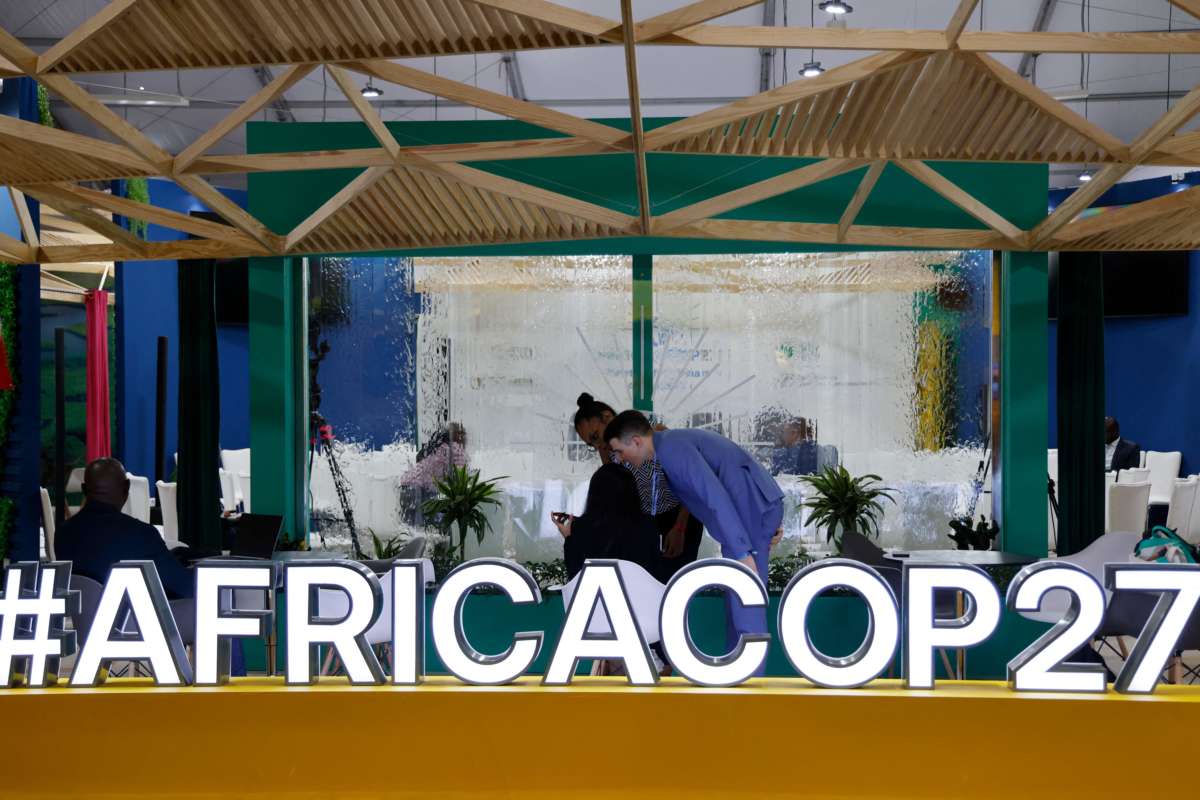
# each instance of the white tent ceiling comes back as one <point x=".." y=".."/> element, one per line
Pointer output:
<point x="675" y="81"/>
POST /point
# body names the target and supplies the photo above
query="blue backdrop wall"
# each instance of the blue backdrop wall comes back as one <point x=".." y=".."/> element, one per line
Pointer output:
<point x="148" y="307"/>
<point x="1151" y="364"/>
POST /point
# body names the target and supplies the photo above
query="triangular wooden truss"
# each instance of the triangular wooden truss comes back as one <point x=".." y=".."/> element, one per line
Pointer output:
<point x="923" y="96"/>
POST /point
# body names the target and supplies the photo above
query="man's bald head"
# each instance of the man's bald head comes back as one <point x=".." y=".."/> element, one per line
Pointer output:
<point x="104" y="480"/>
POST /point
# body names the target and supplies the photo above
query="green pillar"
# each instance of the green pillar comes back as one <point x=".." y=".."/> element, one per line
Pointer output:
<point x="279" y="390"/>
<point x="1020" y="479"/>
<point x="643" y="333"/>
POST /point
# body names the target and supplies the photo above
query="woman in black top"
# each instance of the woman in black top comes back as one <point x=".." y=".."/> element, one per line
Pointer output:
<point x="612" y="525"/>
<point x="679" y="531"/>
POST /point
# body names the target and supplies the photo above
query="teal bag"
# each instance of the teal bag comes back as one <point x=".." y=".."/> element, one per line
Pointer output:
<point x="1164" y="546"/>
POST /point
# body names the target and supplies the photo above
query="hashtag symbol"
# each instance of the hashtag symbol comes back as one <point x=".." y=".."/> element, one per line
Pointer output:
<point x="33" y="608"/>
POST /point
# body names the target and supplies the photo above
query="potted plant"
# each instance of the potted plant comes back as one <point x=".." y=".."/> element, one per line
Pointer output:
<point x="841" y="503"/>
<point x="460" y="504"/>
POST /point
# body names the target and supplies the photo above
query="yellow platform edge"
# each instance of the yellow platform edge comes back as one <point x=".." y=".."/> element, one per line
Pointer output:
<point x="599" y="737"/>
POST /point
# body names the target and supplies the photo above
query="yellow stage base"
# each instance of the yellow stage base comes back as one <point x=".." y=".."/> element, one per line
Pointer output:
<point x="598" y="738"/>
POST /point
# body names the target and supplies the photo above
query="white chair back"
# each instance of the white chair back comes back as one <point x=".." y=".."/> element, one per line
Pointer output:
<point x="1164" y="469"/>
<point x="334" y="604"/>
<point x="1133" y="476"/>
<point x="236" y="461"/>
<point x="1111" y="548"/>
<point x="137" y="505"/>
<point x="1192" y="534"/>
<point x="1110" y="480"/>
<point x="241" y="484"/>
<point x="1051" y="522"/>
<point x="1183" y="498"/>
<point x="170" y="514"/>
<point x="645" y="598"/>
<point x="228" y="495"/>
<point x="75" y="481"/>
<point x="47" y="524"/>
<point x="1127" y="507"/>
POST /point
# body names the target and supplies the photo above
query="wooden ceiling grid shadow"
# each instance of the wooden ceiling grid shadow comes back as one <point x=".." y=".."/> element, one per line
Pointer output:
<point x="922" y="96"/>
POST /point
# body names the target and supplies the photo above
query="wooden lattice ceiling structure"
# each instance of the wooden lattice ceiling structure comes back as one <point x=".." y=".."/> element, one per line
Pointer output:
<point x="928" y="95"/>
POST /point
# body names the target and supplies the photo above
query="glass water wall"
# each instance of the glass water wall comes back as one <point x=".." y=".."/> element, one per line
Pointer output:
<point x="875" y="361"/>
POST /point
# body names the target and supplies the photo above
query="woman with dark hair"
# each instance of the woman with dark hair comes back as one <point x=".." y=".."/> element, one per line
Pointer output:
<point x="612" y="525"/>
<point x="679" y="531"/>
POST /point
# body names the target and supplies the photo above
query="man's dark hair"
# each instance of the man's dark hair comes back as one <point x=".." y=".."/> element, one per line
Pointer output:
<point x="1111" y="422"/>
<point x="626" y="424"/>
<point x="104" y="480"/>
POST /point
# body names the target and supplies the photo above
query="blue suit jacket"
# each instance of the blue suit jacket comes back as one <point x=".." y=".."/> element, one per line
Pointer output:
<point x="99" y="536"/>
<point x="721" y="485"/>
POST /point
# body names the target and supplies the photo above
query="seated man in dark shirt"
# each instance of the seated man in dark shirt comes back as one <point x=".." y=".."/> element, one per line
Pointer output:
<point x="99" y="535"/>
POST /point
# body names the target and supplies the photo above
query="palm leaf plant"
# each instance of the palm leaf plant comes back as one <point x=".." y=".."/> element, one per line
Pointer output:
<point x="462" y="498"/>
<point x="842" y="502"/>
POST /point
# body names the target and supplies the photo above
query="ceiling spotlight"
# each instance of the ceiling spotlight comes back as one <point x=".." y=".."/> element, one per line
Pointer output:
<point x="1085" y="176"/>
<point x="371" y="91"/>
<point x="812" y="69"/>
<point x="834" y="7"/>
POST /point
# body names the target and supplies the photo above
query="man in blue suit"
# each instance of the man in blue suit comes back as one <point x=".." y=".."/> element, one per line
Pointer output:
<point x="99" y="535"/>
<point x="739" y="503"/>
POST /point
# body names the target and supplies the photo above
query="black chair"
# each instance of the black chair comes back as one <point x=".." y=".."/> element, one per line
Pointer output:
<point x="89" y="600"/>
<point x="857" y="547"/>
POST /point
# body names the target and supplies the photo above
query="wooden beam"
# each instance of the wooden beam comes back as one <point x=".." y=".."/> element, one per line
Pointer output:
<point x="1132" y="43"/>
<point x="1048" y="105"/>
<point x="554" y="14"/>
<point x="635" y="117"/>
<point x="16" y="251"/>
<point x="1142" y="148"/>
<point x="755" y="192"/>
<point x="83" y="214"/>
<point x="21" y="207"/>
<point x="952" y="192"/>
<point x="366" y="112"/>
<point x="181" y="249"/>
<point x="378" y="157"/>
<point x="17" y="53"/>
<point x="54" y="138"/>
<point x="962" y="15"/>
<point x="1165" y="126"/>
<point x="230" y="211"/>
<point x="495" y="102"/>
<point x="865" y="186"/>
<point x="779" y="96"/>
<point x="538" y="197"/>
<point x="766" y="36"/>
<point x="160" y="160"/>
<point x="365" y="180"/>
<point x="825" y="233"/>
<point x="267" y="94"/>
<point x="1135" y="214"/>
<point x="1077" y="202"/>
<point x="132" y="209"/>
<point x="1188" y="6"/>
<point x="683" y="18"/>
<point x="72" y="41"/>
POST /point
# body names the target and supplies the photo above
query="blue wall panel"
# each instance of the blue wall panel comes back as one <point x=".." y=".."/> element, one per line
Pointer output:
<point x="148" y="307"/>
<point x="1151" y="364"/>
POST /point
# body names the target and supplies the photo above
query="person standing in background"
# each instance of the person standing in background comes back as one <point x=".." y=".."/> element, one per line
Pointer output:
<point x="679" y="531"/>
<point x="732" y="494"/>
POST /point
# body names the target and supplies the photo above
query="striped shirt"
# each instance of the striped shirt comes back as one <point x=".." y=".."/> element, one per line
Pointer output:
<point x="648" y="486"/>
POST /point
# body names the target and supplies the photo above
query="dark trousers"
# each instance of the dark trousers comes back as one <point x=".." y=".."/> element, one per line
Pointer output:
<point x="691" y="542"/>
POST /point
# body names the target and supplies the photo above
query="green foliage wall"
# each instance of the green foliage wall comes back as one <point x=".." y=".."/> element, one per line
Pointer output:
<point x="8" y="325"/>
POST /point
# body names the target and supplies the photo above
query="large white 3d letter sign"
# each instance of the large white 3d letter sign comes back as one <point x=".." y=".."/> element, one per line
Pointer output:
<point x="927" y="630"/>
<point x="464" y="661"/>
<point x="331" y="603"/>
<point x="687" y="659"/>
<point x="883" y="626"/>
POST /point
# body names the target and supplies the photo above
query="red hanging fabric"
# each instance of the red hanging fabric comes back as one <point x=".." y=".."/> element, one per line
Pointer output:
<point x="6" y="381"/>
<point x="98" y="439"/>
